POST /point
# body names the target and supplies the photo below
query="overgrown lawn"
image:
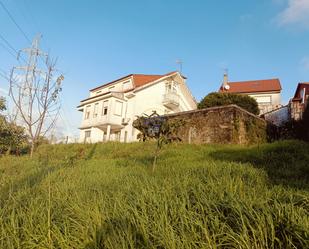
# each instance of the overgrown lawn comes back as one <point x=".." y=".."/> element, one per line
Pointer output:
<point x="200" y="196"/>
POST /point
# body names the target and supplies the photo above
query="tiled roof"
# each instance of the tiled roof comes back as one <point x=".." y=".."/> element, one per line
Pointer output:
<point x="253" y="86"/>
<point x="142" y="79"/>
<point x="138" y="79"/>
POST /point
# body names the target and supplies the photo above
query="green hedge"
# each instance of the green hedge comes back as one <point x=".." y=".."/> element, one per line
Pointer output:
<point x="220" y="99"/>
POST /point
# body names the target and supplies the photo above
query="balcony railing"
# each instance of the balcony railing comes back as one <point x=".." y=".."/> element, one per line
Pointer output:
<point x="101" y="121"/>
<point x="171" y="100"/>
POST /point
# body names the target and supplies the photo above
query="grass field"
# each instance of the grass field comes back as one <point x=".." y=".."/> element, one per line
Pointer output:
<point x="106" y="196"/>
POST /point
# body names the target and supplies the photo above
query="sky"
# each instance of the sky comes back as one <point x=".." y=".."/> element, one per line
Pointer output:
<point x="99" y="41"/>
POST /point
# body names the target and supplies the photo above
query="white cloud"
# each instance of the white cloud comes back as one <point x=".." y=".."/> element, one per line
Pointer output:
<point x="296" y="12"/>
<point x="305" y="63"/>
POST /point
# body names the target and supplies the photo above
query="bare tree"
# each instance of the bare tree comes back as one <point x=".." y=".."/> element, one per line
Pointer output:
<point x="35" y="93"/>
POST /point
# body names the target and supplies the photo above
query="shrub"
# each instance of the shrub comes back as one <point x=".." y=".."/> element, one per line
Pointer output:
<point x="13" y="139"/>
<point x="220" y="99"/>
<point x="159" y="128"/>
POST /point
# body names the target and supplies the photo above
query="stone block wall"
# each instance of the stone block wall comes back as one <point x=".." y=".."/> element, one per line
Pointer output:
<point x="224" y="125"/>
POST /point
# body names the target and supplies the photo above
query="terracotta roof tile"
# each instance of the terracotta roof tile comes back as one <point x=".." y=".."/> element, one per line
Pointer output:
<point x="253" y="86"/>
<point x="138" y="79"/>
<point x="142" y="79"/>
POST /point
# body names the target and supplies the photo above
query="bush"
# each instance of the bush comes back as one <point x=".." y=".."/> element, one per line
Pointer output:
<point x="220" y="99"/>
<point x="13" y="139"/>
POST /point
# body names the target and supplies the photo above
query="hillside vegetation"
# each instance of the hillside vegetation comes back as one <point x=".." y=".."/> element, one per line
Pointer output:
<point x="105" y="196"/>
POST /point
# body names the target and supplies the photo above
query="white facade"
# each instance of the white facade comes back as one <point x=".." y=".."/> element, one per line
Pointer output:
<point x="267" y="101"/>
<point x="110" y="110"/>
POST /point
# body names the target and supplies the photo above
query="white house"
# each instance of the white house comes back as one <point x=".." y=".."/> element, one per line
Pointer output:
<point x="110" y="109"/>
<point x="266" y="92"/>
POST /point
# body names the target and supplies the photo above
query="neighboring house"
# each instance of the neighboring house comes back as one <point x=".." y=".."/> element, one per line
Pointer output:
<point x="109" y="111"/>
<point x="266" y="92"/>
<point x="299" y="102"/>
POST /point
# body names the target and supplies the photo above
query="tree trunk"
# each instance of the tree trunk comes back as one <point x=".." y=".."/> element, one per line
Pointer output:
<point x="8" y="152"/>
<point x="32" y="148"/>
<point x="154" y="163"/>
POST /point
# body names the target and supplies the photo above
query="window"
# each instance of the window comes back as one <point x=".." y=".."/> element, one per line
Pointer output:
<point x="174" y="89"/>
<point x="118" y="108"/>
<point x="263" y="99"/>
<point x="112" y="88"/>
<point x="87" y="113"/>
<point x="303" y="95"/>
<point x="98" y="92"/>
<point x="125" y="85"/>
<point x="95" y="110"/>
<point x="168" y="87"/>
<point x="117" y="136"/>
<point x="105" y="108"/>
<point x="87" y="134"/>
<point x="171" y="87"/>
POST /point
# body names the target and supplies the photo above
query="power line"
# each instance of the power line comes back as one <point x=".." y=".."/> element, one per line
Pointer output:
<point x="13" y="20"/>
<point x="8" y="44"/>
<point x="33" y="20"/>
<point x="4" y="76"/>
<point x="11" y="47"/>
<point x="9" y="51"/>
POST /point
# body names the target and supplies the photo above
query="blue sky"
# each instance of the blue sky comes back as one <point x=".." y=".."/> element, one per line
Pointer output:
<point x="98" y="41"/>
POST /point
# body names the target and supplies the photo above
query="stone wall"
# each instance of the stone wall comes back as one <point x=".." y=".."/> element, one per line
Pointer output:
<point x="225" y="125"/>
<point x="297" y="109"/>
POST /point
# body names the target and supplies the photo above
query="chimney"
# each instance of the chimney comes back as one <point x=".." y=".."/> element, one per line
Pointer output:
<point x="225" y="85"/>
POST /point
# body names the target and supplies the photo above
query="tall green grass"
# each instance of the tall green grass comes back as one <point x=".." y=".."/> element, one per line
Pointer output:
<point x="105" y="196"/>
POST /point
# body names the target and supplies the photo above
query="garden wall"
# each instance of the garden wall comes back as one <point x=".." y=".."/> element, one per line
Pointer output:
<point x="225" y="125"/>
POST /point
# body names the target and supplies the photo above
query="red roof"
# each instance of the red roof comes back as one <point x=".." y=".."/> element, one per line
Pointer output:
<point x="253" y="86"/>
<point x="142" y="79"/>
<point x="300" y="86"/>
<point x="138" y="79"/>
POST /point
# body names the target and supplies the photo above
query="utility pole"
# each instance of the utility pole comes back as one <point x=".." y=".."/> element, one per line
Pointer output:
<point x="30" y="70"/>
<point x="35" y="92"/>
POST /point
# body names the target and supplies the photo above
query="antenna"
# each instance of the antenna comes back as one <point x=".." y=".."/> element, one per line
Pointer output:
<point x="179" y="62"/>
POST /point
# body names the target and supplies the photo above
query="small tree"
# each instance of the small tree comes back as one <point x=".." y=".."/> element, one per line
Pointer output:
<point x="158" y="128"/>
<point x="36" y="93"/>
<point x="220" y="99"/>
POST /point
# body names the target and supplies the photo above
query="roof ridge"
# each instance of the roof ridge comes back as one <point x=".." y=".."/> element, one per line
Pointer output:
<point x="148" y="74"/>
<point x="130" y="75"/>
<point x="253" y="80"/>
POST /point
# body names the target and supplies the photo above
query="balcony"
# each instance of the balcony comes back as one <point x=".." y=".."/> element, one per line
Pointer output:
<point x="171" y="100"/>
<point x="102" y="122"/>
